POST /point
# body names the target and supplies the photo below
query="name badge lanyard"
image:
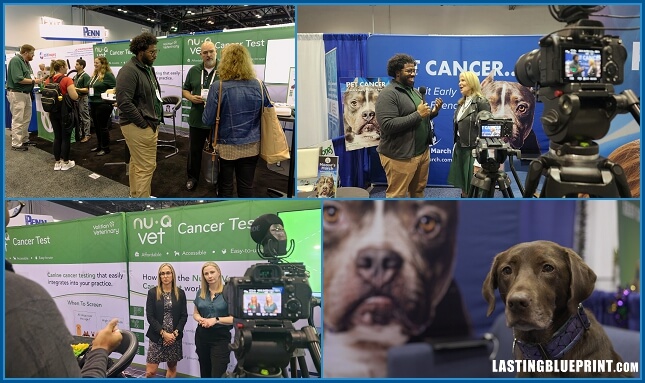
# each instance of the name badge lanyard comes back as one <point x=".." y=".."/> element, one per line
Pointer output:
<point x="90" y="88"/>
<point x="212" y="78"/>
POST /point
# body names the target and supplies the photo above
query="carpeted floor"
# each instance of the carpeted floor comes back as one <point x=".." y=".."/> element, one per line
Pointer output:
<point x="35" y="177"/>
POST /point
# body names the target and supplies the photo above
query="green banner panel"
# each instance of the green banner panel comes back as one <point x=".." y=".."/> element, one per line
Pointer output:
<point x="254" y="40"/>
<point x="91" y="240"/>
<point x="629" y="239"/>
<point x="81" y="263"/>
<point x="117" y="54"/>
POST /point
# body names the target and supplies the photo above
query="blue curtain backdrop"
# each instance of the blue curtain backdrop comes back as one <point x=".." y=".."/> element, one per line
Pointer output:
<point x="351" y="53"/>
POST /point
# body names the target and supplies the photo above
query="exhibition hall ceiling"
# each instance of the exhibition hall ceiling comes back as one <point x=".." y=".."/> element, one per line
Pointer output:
<point x="174" y="19"/>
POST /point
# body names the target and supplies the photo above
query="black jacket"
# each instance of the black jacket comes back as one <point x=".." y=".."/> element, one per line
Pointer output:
<point x="154" y="313"/>
<point x="135" y="95"/>
<point x="467" y="124"/>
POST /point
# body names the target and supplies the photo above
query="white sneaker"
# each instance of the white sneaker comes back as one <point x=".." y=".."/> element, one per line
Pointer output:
<point x="57" y="165"/>
<point x="67" y="165"/>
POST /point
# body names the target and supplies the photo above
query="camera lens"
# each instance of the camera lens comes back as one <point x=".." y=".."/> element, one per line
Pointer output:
<point x="527" y="68"/>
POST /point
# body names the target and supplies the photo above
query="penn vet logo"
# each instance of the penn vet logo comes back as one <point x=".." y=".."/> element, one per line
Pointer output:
<point x="92" y="33"/>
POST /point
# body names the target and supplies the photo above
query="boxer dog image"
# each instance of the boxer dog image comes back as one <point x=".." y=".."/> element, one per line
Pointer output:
<point x="359" y="116"/>
<point x="388" y="280"/>
<point x="325" y="187"/>
<point x="542" y="286"/>
<point x="513" y="100"/>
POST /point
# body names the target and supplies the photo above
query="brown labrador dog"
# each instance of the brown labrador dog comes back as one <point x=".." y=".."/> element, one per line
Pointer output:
<point x="542" y="285"/>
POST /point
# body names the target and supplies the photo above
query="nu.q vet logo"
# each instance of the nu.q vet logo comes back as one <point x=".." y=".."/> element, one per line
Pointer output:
<point x="147" y="229"/>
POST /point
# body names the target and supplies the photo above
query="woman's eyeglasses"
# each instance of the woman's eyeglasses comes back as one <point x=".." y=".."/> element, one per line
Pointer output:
<point x="164" y="273"/>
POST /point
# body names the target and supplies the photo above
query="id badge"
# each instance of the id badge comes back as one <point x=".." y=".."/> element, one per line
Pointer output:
<point x="204" y="94"/>
<point x="158" y="95"/>
<point x="91" y="92"/>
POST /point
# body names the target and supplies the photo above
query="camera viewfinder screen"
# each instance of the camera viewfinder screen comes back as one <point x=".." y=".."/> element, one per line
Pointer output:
<point x="262" y="303"/>
<point x="582" y="65"/>
<point x="491" y="131"/>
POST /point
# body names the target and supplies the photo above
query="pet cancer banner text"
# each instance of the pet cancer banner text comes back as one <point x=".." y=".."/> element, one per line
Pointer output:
<point x="360" y="127"/>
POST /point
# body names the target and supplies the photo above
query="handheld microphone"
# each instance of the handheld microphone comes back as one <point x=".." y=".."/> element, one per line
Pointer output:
<point x="423" y="90"/>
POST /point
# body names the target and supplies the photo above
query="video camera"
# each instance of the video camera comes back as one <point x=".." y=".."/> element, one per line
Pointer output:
<point x="491" y="127"/>
<point x="566" y="58"/>
<point x="270" y="290"/>
<point x="265" y="302"/>
<point x="574" y="73"/>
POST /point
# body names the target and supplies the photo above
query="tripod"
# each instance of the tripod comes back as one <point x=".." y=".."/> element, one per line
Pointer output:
<point x="483" y="183"/>
<point x="265" y="347"/>
<point x="573" y="167"/>
<point x="572" y="170"/>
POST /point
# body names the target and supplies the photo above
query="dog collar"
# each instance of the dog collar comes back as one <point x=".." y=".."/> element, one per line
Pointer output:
<point x="562" y="341"/>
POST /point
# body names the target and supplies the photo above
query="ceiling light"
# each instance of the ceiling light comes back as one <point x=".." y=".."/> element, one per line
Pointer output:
<point x="258" y="16"/>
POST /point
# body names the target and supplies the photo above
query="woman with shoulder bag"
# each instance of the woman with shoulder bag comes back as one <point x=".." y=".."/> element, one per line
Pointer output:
<point x="238" y="138"/>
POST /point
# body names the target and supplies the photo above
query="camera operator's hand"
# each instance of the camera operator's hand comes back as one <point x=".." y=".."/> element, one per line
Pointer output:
<point x="109" y="338"/>
<point x="423" y="109"/>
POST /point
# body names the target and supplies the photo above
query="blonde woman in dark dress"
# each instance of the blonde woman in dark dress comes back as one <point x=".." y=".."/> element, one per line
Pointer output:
<point x="167" y="315"/>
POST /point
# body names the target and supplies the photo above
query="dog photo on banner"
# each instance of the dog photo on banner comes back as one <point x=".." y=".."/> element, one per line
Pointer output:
<point x="361" y="128"/>
<point x="410" y="288"/>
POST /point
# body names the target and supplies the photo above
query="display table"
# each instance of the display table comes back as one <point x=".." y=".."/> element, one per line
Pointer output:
<point x="341" y="192"/>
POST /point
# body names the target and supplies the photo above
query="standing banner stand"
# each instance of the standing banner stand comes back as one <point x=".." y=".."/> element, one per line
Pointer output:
<point x="85" y="272"/>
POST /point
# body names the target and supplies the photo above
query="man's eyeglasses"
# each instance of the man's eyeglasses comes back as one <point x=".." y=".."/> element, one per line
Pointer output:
<point x="409" y="71"/>
<point x="164" y="273"/>
<point x="153" y="52"/>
